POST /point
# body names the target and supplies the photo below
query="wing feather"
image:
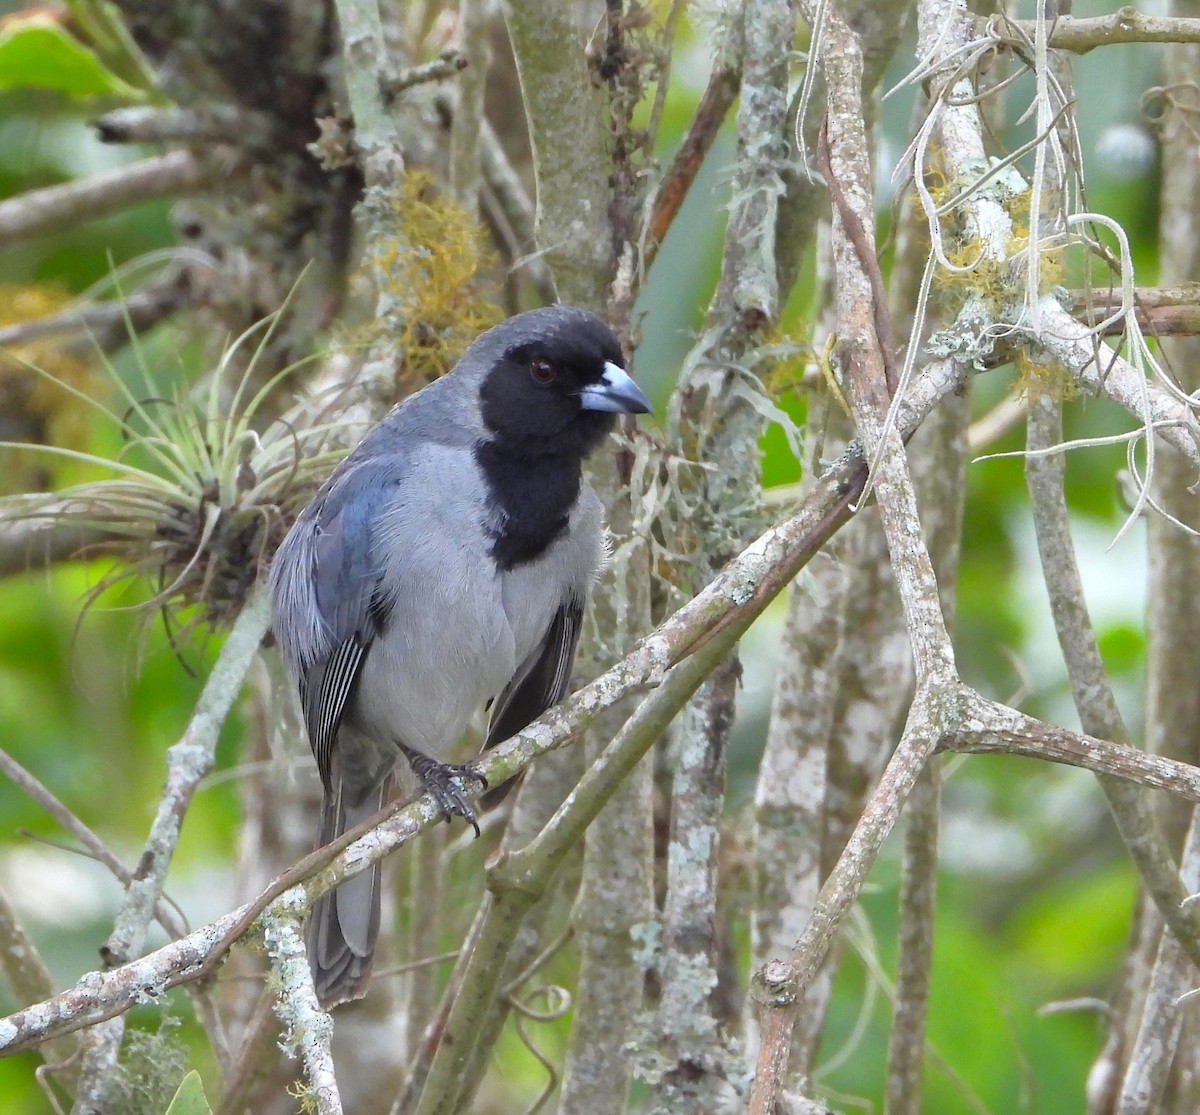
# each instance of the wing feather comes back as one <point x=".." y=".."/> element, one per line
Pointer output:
<point x="542" y="679"/>
<point x="333" y="564"/>
<point x="326" y="691"/>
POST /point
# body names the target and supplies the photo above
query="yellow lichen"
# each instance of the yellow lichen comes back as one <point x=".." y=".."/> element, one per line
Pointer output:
<point x="1038" y="376"/>
<point x="34" y="408"/>
<point x="434" y="274"/>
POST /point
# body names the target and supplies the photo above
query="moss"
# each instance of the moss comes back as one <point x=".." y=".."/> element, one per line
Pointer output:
<point x="431" y="275"/>
<point x="151" y="1067"/>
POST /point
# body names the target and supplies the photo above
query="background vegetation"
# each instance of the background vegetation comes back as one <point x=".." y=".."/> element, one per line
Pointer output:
<point x="1043" y="940"/>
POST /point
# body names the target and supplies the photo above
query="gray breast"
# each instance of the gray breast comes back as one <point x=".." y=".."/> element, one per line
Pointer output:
<point x="458" y="628"/>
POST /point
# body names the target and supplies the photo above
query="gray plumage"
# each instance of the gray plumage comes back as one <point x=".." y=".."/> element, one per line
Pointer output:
<point x="445" y="563"/>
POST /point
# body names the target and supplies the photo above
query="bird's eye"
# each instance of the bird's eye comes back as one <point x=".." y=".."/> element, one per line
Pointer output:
<point x="543" y="372"/>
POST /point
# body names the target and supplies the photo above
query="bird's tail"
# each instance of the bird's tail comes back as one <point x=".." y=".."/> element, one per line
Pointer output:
<point x="345" y="922"/>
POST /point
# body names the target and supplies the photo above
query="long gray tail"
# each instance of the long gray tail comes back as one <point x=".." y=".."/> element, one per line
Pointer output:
<point x="345" y="922"/>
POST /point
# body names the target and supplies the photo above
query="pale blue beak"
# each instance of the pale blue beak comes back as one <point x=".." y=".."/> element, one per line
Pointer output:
<point x="616" y="393"/>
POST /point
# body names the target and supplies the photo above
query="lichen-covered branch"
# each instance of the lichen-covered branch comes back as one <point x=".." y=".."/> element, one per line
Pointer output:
<point x="717" y="422"/>
<point x="307" y="1029"/>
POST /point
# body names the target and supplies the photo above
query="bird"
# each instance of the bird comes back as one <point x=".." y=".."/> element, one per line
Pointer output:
<point x="444" y="564"/>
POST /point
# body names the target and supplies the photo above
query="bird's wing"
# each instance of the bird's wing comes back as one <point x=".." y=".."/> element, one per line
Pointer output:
<point x="346" y="592"/>
<point x="542" y="679"/>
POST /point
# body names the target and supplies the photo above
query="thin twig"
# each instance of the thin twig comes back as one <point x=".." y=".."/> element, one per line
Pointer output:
<point x="166" y="915"/>
<point x="465" y="172"/>
<point x="256" y="1043"/>
<point x="514" y="203"/>
<point x="1149" y="1061"/>
<point x="445" y="65"/>
<point x="715" y="103"/>
<point x="918" y="897"/>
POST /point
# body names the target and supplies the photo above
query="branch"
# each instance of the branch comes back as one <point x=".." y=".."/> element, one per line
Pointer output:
<point x="509" y="192"/>
<point x="1150" y="1060"/>
<point x="777" y="987"/>
<point x="1079" y="34"/>
<point x="210" y="122"/>
<point x="918" y="901"/>
<point x="445" y="65"/>
<point x="53" y="207"/>
<point x="1097" y="367"/>
<point x="306" y="1027"/>
<point x="55" y="534"/>
<point x="723" y="85"/>
<point x="1160" y="311"/>
<point x="714" y="421"/>
<point x="26" y="973"/>
<point x="939" y="458"/>
<point x="864" y="341"/>
<point x="616" y="894"/>
<point x="365" y="65"/>
<point x="517" y="880"/>
<point x="570" y="161"/>
<point x="1094" y="699"/>
<point x="188" y="761"/>
<point x="137" y="311"/>
<point x="465" y="173"/>
<point x="257" y="1044"/>
<point x="990" y="728"/>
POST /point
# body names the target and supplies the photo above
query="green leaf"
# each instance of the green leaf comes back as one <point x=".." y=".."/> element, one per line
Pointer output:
<point x="38" y="52"/>
<point x="190" y="1099"/>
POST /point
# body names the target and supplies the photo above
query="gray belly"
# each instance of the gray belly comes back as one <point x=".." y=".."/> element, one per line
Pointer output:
<point x="460" y="629"/>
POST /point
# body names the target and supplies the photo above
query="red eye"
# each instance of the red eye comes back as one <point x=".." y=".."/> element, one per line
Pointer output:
<point x="543" y="372"/>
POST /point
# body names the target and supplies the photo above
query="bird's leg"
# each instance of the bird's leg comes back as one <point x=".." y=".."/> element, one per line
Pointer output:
<point x="443" y="781"/>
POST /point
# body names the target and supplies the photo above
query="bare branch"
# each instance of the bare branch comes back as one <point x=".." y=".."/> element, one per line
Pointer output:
<point x="1160" y="311"/>
<point x="54" y="207"/>
<point x="256" y="1043"/>
<point x="445" y="65"/>
<point x="1174" y="976"/>
<point x="1128" y="25"/>
<point x="514" y="203"/>
<point x="208" y="123"/>
<point x="714" y="106"/>
<point x="777" y="987"/>
<point x="137" y="311"/>
<point x="26" y="973"/>
<point x="918" y="898"/>
<point x="466" y="175"/>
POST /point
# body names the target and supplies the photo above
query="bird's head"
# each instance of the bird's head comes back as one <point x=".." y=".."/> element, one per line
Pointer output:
<point x="555" y="383"/>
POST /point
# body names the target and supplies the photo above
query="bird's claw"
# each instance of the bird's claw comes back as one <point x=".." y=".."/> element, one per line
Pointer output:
<point x="445" y="783"/>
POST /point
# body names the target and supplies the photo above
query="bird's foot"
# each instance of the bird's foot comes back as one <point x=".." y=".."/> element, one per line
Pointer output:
<point x="445" y="781"/>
